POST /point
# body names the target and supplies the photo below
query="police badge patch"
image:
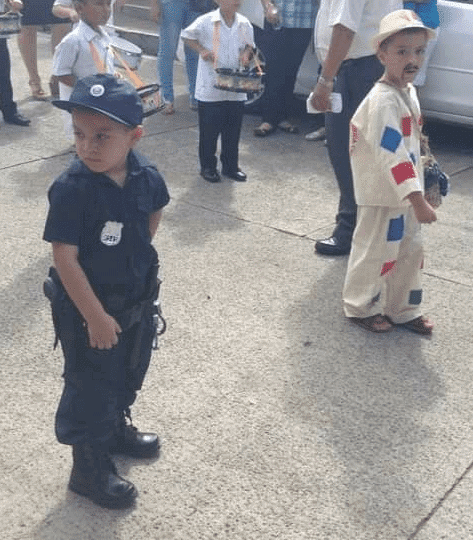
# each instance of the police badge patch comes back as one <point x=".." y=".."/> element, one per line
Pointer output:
<point x="111" y="233"/>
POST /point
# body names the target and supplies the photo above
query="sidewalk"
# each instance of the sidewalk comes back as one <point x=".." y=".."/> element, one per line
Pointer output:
<point x="279" y="419"/>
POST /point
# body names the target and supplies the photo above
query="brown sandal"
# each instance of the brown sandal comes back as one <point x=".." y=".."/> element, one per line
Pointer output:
<point x="264" y="130"/>
<point x="420" y="325"/>
<point x="376" y="323"/>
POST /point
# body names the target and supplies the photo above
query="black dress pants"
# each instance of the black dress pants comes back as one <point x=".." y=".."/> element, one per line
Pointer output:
<point x="222" y="118"/>
<point x="7" y="105"/>
<point x="354" y="80"/>
<point x="284" y="50"/>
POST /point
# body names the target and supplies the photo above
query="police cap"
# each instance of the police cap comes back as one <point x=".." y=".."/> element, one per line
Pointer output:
<point x="106" y="94"/>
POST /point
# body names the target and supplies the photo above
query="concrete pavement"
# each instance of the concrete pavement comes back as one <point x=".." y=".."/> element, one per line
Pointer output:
<point x="278" y="418"/>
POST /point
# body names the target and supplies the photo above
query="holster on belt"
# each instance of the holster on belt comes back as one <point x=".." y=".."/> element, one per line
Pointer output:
<point x="55" y="293"/>
<point x="62" y="309"/>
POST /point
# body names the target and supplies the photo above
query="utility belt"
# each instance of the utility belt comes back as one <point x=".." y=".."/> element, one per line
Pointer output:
<point x="126" y="318"/>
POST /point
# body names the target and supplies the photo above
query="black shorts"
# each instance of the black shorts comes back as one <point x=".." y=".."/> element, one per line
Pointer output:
<point x="38" y="13"/>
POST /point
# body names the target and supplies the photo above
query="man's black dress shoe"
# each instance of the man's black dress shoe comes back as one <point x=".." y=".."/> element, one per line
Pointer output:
<point x="332" y="246"/>
<point x="237" y="175"/>
<point x="211" y="175"/>
<point x="17" y="119"/>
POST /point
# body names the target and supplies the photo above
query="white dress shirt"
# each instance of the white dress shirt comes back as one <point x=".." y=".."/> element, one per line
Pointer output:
<point x="360" y="16"/>
<point x="231" y="40"/>
<point x="73" y="56"/>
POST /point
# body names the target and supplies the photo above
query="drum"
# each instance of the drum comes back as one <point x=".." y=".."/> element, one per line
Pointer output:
<point x="130" y="52"/>
<point x="238" y="81"/>
<point x="150" y="99"/>
<point x="10" y="23"/>
<point x="247" y="80"/>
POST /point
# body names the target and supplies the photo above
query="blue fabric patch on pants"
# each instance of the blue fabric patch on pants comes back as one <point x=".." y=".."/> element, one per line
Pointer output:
<point x="415" y="297"/>
<point x="396" y="229"/>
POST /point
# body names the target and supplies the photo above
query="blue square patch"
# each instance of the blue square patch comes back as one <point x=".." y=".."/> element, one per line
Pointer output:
<point x="391" y="139"/>
<point x="415" y="297"/>
<point x="396" y="229"/>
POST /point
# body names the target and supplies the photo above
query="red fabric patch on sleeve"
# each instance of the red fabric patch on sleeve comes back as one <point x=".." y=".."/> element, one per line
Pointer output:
<point x="406" y="124"/>
<point x="402" y="172"/>
<point x="355" y="137"/>
<point x="387" y="267"/>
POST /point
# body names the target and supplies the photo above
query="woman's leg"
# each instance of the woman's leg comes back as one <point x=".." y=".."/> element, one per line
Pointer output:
<point x="27" y="43"/>
<point x="271" y="99"/>
<point x="172" y="18"/>
<point x="296" y="43"/>
<point x="58" y="31"/>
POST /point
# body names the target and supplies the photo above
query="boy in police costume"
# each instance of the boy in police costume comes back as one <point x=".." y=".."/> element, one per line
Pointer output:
<point x="104" y="211"/>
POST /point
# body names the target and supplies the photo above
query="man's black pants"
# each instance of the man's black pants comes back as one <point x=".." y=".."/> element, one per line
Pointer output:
<point x="7" y="105"/>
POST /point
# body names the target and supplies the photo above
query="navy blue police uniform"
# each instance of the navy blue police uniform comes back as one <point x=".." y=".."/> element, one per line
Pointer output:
<point x="110" y="226"/>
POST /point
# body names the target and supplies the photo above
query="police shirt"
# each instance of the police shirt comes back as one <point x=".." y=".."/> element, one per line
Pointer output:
<point x="109" y="224"/>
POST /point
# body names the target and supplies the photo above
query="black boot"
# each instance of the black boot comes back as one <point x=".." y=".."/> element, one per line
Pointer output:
<point x="131" y="442"/>
<point x="94" y="476"/>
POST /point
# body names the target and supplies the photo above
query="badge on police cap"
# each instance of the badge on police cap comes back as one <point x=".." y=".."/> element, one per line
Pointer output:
<point x="111" y="233"/>
<point x="97" y="90"/>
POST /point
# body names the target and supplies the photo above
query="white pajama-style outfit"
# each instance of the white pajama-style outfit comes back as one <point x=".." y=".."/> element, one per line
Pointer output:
<point x="384" y="267"/>
<point x="73" y="56"/>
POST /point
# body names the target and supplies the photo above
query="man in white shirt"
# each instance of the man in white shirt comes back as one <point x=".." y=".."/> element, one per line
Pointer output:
<point x="343" y="32"/>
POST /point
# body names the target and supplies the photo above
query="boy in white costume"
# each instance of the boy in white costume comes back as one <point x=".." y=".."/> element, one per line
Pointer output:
<point x="383" y="282"/>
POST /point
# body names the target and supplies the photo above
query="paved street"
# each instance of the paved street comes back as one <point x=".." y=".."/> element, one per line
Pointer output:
<point x="279" y="419"/>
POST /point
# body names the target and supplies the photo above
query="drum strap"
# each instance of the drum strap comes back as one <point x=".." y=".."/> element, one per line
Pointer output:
<point x="131" y="74"/>
<point x="216" y="42"/>
<point x="99" y="63"/>
<point x="102" y="68"/>
<point x="216" y="46"/>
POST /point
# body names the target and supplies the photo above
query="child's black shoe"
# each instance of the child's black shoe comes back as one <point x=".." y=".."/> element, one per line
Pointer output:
<point x="211" y="175"/>
<point x="131" y="442"/>
<point x="94" y="476"/>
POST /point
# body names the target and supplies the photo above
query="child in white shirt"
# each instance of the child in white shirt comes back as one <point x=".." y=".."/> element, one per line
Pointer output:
<point x="84" y="51"/>
<point x="219" y="37"/>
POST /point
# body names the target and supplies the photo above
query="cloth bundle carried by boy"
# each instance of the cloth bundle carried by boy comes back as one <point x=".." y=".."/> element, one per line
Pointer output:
<point x="383" y="282"/>
<point x="104" y="212"/>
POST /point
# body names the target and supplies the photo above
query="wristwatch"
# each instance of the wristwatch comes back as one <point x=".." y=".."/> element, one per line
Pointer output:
<point x="325" y="82"/>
